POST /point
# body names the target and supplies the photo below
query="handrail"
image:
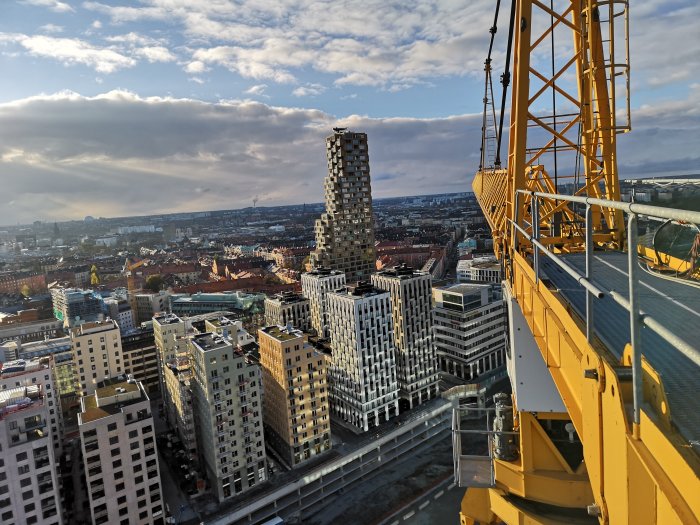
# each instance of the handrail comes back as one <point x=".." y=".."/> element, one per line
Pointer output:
<point x="630" y="304"/>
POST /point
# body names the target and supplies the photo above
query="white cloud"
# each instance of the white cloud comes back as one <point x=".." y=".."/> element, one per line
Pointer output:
<point x="258" y="89"/>
<point x="96" y="24"/>
<point x="155" y="152"/>
<point x="196" y="67"/>
<point x="54" y="5"/>
<point x="156" y="54"/>
<point x="309" y="90"/>
<point x="70" y="51"/>
<point x="51" y="28"/>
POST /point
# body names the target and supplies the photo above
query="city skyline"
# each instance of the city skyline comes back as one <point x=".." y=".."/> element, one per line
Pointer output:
<point x="102" y="112"/>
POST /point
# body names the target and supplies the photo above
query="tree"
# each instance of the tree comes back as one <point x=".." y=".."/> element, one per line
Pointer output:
<point x="154" y="283"/>
<point x="26" y="291"/>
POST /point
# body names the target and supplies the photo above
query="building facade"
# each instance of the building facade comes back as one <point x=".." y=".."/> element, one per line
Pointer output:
<point x="315" y="286"/>
<point x="227" y="401"/>
<point x="179" y="411"/>
<point x="362" y="374"/>
<point x="296" y="404"/>
<point x="97" y="354"/>
<point x="471" y="327"/>
<point x="30" y="443"/>
<point x="416" y="358"/>
<point x="345" y="232"/>
<point x="168" y="333"/>
<point x="141" y="357"/>
<point x="288" y="309"/>
<point x="75" y="306"/>
<point x="117" y="437"/>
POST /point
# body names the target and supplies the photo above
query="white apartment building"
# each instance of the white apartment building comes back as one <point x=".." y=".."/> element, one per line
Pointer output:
<point x="227" y="404"/>
<point x="117" y="437"/>
<point x="30" y="444"/>
<point x="362" y="373"/>
<point x="288" y="308"/>
<point x="97" y="353"/>
<point x="416" y="359"/>
<point x="470" y="324"/>
<point x="315" y="286"/>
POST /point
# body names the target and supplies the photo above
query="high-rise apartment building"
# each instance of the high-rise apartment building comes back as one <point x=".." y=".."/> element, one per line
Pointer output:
<point x="178" y="384"/>
<point x="141" y="357"/>
<point x="227" y="402"/>
<point x="117" y="438"/>
<point x="29" y="440"/>
<point x="168" y="332"/>
<point x="471" y="327"/>
<point x="315" y="286"/>
<point x="411" y="304"/>
<point x="295" y="408"/>
<point x="97" y="354"/>
<point x="288" y="308"/>
<point x="345" y="232"/>
<point x="362" y="374"/>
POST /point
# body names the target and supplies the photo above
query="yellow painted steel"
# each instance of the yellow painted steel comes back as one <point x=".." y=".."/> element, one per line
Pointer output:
<point x="652" y="477"/>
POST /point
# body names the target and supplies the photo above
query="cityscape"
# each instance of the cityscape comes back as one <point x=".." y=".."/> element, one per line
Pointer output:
<point x="191" y="342"/>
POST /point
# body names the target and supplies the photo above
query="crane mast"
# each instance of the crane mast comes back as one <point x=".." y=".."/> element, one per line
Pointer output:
<point x="591" y="437"/>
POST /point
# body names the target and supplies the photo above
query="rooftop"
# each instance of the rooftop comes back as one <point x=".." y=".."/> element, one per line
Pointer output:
<point x="19" y="398"/>
<point x="359" y="291"/>
<point x="210" y="341"/>
<point x="94" y="327"/>
<point x="288" y="298"/>
<point x="21" y="366"/>
<point x="282" y="333"/>
<point x="324" y="272"/>
<point x="167" y="319"/>
<point x="110" y="397"/>
<point x="402" y="271"/>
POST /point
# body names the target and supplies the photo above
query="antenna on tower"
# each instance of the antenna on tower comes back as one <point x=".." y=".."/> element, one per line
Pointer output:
<point x="255" y="200"/>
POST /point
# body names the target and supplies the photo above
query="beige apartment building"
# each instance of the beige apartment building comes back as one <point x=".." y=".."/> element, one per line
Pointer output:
<point x="117" y="437"/>
<point x="227" y="405"/>
<point x="168" y="332"/>
<point x="345" y="232"/>
<point x="416" y="358"/>
<point x="97" y="353"/>
<point x="296" y="405"/>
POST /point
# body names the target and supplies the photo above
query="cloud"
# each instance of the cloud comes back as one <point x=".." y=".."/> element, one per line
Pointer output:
<point x="96" y="24"/>
<point x="258" y="89"/>
<point x="156" y="54"/>
<point x="51" y="28"/>
<point x="70" y="51"/>
<point x="309" y="90"/>
<point x="196" y="67"/>
<point x="54" y="5"/>
<point x="66" y="155"/>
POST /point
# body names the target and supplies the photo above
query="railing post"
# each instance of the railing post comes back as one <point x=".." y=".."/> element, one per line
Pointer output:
<point x="536" y="235"/>
<point x="634" y="320"/>
<point x="589" y="270"/>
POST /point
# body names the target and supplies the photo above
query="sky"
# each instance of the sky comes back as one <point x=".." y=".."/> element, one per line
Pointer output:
<point x="112" y="108"/>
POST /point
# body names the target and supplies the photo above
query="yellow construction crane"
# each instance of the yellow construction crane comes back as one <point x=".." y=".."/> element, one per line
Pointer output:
<point x="604" y="422"/>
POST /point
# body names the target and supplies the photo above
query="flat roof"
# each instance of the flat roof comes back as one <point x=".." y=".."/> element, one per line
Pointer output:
<point x="210" y="341"/>
<point x="282" y="333"/>
<point x="93" y="410"/>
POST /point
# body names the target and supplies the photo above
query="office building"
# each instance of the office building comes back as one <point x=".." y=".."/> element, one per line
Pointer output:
<point x="30" y="443"/>
<point x="97" y="353"/>
<point x="315" y="286"/>
<point x="296" y="405"/>
<point x="470" y="326"/>
<point x="239" y="303"/>
<point x="117" y="438"/>
<point x="150" y="304"/>
<point x="345" y="232"/>
<point x="362" y="374"/>
<point x="288" y="308"/>
<point x="168" y="332"/>
<point x="227" y="403"/>
<point x="411" y="305"/>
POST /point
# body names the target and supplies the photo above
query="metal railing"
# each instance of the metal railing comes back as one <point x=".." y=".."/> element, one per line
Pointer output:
<point x="474" y="470"/>
<point x="631" y="305"/>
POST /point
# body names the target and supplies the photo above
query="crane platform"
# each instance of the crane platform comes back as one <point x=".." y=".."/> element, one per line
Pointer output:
<point x="671" y="303"/>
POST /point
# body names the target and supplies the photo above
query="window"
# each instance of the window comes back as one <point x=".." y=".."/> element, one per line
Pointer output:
<point x="121" y="499"/>
<point x="133" y="434"/>
<point x="134" y="445"/>
<point x="27" y="495"/>
<point x="114" y="440"/>
<point x="111" y="427"/>
<point x="115" y="452"/>
<point x="119" y="487"/>
<point x="22" y="456"/>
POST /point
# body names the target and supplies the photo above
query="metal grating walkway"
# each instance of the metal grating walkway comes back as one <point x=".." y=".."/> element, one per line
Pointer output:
<point x="675" y="305"/>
